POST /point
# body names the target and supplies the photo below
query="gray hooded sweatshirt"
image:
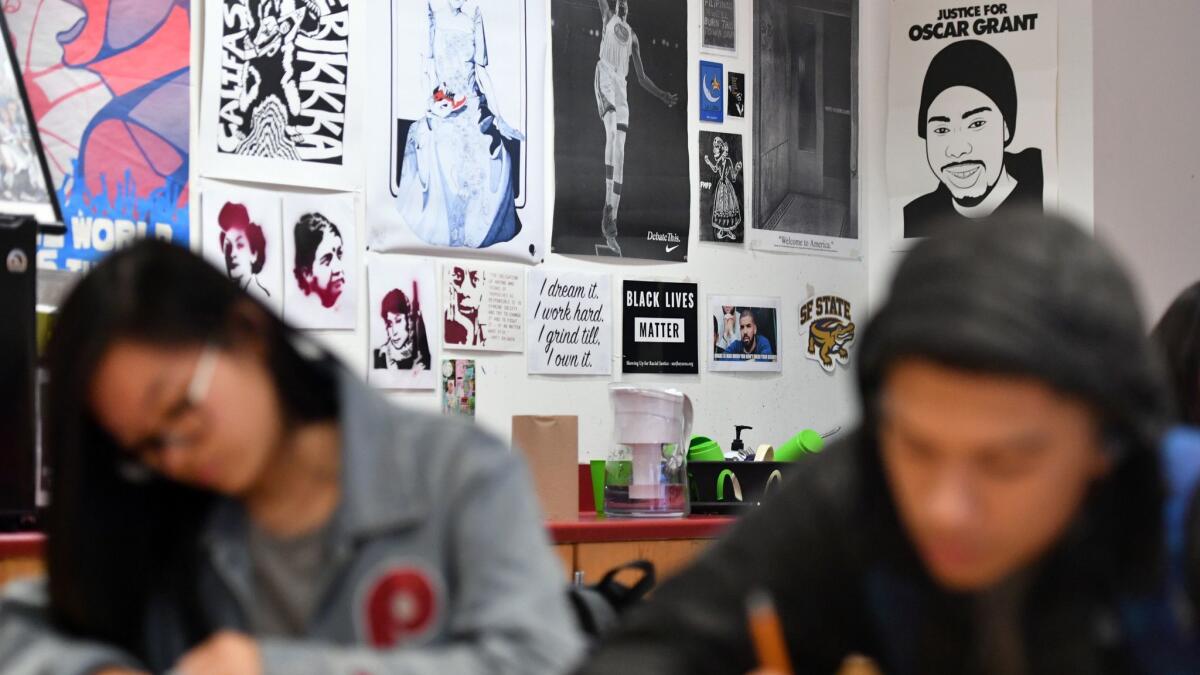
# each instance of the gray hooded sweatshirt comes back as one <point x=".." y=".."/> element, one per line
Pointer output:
<point x="438" y="562"/>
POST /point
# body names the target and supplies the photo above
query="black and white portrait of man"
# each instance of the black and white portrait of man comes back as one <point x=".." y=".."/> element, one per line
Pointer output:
<point x="973" y="123"/>
<point x="968" y="118"/>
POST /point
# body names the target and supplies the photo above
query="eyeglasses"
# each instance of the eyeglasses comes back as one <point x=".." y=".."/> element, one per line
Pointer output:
<point x="133" y="464"/>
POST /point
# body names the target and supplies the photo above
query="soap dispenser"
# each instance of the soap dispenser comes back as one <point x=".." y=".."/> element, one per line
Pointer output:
<point x="737" y="448"/>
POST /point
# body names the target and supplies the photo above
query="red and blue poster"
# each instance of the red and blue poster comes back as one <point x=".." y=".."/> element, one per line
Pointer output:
<point x="108" y="83"/>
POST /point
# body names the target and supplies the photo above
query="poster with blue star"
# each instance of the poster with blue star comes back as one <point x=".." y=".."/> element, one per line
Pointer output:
<point x="712" y="93"/>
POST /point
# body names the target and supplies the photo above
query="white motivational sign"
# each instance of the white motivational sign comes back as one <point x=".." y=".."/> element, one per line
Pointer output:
<point x="570" y="323"/>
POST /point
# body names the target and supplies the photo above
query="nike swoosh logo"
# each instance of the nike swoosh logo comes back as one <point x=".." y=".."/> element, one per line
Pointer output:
<point x="672" y="248"/>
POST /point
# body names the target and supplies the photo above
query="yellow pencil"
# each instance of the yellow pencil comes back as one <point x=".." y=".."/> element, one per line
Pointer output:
<point x="766" y="632"/>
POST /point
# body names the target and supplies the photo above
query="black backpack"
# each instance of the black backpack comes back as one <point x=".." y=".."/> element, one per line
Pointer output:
<point x="600" y="606"/>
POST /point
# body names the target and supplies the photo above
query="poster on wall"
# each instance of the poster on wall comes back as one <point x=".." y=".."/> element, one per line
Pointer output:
<point x="722" y="203"/>
<point x="658" y="327"/>
<point x="23" y="177"/>
<point x="402" y="303"/>
<point x="805" y="123"/>
<point x="570" y="323"/>
<point x="320" y="287"/>
<point x="735" y="92"/>
<point x="827" y="330"/>
<point x="719" y="30"/>
<point x="276" y="99"/>
<point x="458" y="162"/>
<point x="482" y="308"/>
<point x="972" y="121"/>
<point x="242" y="234"/>
<point x="712" y="92"/>
<point x="745" y="332"/>
<point x="458" y="387"/>
<point x="621" y="128"/>
<point x="109" y="93"/>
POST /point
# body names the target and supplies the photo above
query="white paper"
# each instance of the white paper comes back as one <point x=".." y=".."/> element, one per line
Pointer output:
<point x="243" y="237"/>
<point x="570" y="329"/>
<point x="402" y="314"/>
<point x="279" y="94"/>
<point x="434" y="179"/>
<point x="963" y="165"/>
<point x="745" y="333"/>
<point x="321" y="283"/>
<point x="482" y="308"/>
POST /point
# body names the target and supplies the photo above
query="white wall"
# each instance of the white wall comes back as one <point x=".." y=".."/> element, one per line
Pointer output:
<point x="1074" y="126"/>
<point x="777" y="405"/>
<point x="1147" y="142"/>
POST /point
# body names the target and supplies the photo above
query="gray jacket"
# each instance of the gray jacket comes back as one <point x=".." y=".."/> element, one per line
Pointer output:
<point x="441" y="564"/>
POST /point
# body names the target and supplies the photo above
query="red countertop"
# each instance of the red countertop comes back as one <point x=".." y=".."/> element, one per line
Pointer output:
<point x="587" y="528"/>
<point x="22" y="545"/>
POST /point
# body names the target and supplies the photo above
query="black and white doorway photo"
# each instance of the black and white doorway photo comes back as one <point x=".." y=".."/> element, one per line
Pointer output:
<point x="804" y="168"/>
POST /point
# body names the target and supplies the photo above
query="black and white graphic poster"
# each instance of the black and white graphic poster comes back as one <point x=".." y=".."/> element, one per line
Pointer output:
<point x="22" y="182"/>
<point x="719" y="31"/>
<point x="972" y="122"/>
<point x="458" y="158"/>
<point x="243" y="237"/>
<point x="722" y="210"/>
<point x="659" y="327"/>
<point x="805" y="121"/>
<point x="277" y="101"/>
<point x="570" y="323"/>
<point x="745" y="333"/>
<point x="402" y="311"/>
<point x="735" y="94"/>
<point x="320" y="287"/>
<point x="482" y="308"/>
<point x="620" y="128"/>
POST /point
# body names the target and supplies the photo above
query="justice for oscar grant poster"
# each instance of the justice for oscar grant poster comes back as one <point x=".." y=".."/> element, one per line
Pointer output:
<point x="972" y="113"/>
<point x="659" y="327"/>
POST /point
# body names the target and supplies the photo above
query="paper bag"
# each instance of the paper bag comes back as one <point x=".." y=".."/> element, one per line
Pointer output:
<point x="551" y="447"/>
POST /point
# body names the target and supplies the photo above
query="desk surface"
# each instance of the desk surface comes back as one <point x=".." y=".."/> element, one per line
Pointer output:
<point x="22" y="544"/>
<point x="587" y="528"/>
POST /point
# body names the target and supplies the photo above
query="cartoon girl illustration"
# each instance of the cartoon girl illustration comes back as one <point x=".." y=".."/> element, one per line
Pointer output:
<point x="726" y="209"/>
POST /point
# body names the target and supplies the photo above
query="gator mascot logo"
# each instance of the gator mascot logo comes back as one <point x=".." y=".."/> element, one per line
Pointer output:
<point x="826" y="322"/>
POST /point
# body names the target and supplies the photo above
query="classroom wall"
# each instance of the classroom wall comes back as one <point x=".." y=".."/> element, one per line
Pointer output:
<point x="1147" y="144"/>
<point x="777" y="405"/>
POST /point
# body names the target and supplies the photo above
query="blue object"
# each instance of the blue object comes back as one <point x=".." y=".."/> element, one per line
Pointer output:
<point x="712" y="92"/>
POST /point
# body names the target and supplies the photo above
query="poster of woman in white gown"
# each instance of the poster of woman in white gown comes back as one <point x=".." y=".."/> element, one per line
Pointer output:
<point x="459" y="159"/>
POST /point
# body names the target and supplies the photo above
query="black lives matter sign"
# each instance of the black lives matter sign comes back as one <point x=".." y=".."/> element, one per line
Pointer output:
<point x="659" y="328"/>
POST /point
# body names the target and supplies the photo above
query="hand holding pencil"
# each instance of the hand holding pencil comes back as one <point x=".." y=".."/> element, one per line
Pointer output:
<point x="770" y="647"/>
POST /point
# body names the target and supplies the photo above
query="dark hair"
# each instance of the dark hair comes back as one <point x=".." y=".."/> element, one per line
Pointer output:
<point x="1033" y="295"/>
<point x="750" y="312"/>
<point x="975" y="64"/>
<point x="111" y="542"/>
<point x="309" y="232"/>
<point x="1177" y="335"/>
<point x="236" y="217"/>
<point x="395" y="302"/>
